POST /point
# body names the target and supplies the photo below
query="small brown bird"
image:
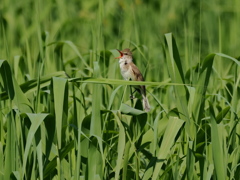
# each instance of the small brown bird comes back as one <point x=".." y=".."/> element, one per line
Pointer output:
<point x="130" y="72"/>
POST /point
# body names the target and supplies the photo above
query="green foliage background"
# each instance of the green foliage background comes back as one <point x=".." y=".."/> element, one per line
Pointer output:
<point x="66" y="112"/>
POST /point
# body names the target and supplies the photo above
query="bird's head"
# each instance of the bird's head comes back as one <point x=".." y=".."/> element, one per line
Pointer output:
<point x="125" y="52"/>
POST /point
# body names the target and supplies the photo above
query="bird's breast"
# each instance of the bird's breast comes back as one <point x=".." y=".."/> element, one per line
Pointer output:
<point x="127" y="72"/>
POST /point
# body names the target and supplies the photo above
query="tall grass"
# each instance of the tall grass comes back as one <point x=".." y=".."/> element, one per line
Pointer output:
<point x="66" y="112"/>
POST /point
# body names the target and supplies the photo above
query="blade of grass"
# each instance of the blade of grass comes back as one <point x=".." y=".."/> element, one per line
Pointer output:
<point x="51" y="166"/>
<point x="60" y="92"/>
<point x="36" y="120"/>
<point x="31" y="85"/>
<point x="12" y="88"/>
<point x="172" y="129"/>
<point x="217" y="151"/>
<point x="121" y="82"/>
<point x="177" y="76"/>
<point x="96" y="123"/>
<point x="11" y="146"/>
<point x="120" y="147"/>
<point x="95" y="129"/>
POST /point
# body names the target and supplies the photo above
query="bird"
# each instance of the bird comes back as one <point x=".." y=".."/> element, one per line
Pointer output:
<point x="131" y="72"/>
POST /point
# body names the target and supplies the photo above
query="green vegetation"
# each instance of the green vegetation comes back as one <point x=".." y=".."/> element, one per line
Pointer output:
<point x="66" y="112"/>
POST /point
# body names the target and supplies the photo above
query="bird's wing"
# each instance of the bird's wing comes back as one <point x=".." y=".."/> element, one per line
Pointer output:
<point x="139" y="77"/>
<point x="137" y="73"/>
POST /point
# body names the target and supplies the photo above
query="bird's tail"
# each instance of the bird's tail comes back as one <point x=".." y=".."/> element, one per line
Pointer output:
<point x="146" y="104"/>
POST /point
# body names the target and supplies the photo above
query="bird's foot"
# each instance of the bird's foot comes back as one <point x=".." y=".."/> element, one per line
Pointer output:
<point x="132" y="97"/>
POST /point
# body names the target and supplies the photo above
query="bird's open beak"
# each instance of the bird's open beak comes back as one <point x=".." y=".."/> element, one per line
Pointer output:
<point x="121" y="54"/>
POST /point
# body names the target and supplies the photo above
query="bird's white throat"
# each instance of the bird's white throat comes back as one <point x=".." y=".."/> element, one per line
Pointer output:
<point x="125" y="60"/>
<point x="126" y="69"/>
